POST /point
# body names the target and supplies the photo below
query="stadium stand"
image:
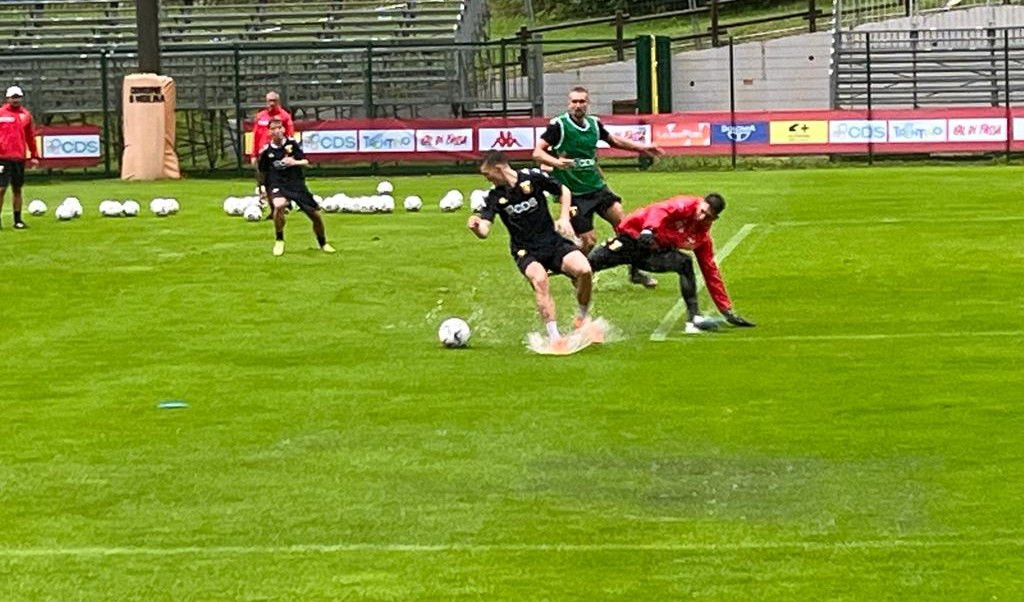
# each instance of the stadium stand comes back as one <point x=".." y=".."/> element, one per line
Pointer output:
<point x="328" y="58"/>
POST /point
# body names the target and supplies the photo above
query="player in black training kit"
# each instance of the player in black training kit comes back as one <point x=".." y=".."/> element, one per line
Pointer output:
<point x="535" y="239"/>
<point x="280" y="172"/>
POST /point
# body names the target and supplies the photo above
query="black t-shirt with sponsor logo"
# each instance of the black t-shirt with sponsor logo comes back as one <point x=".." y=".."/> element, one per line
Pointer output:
<point x="278" y="175"/>
<point x="523" y="209"/>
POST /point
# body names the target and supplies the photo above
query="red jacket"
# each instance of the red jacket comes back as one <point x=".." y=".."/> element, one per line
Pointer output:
<point x="261" y="128"/>
<point x="675" y="227"/>
<point x="17" y="134"/>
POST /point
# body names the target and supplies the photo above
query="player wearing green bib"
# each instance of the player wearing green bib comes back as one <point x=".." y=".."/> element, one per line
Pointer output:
<point x="569" y="146"/>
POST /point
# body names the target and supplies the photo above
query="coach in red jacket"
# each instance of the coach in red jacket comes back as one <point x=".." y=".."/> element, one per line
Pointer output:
<point x="650" y="238"/>
<point x="261" y="127"/>
<point x="17" y="141"/>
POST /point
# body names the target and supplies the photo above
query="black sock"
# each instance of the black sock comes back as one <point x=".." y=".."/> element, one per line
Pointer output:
<point x="17" y="217"/>
<point x="321" y="240"/>
<point x="280" y="235"/>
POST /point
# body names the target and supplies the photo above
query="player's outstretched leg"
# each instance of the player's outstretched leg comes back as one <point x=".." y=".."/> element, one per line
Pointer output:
<point x="279" y="206"/>
<point x="611" y="253"/>
<point x="576" y="267"/>
<point x="318" y="230"/>
<point x="613" y="215"/>
<point x="538" y="277"/>
<point x="682" y="264"/>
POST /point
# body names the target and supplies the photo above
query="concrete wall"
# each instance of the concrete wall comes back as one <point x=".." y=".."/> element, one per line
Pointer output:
<point x="787" y="73"/>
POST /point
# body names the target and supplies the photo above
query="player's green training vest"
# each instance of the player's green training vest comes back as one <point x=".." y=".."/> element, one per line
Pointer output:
<point x="579" y="143"/>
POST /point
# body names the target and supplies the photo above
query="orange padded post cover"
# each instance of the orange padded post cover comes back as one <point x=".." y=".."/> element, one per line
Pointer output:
<point x="149" y="102"/>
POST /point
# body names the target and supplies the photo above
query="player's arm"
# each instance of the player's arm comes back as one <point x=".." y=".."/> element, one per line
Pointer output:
<point x="479" y="226"/>
<point x="30" y="140"/>
<point x="716" y="286"/>
<point x="480" y="223"/>
<point x="289" y="125"/>
<point x="298" y="158"/>
<point x="542" y="151"/>
<point x="621" y="143"/>
<point x="548" y="184"/>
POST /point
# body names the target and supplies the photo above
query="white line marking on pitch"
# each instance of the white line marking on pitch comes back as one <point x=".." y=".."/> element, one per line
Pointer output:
<point x="899" y="220"/>
<point x="852" y="337"/>
<point x="673" y="315"/>
<point x="879" y="544"/>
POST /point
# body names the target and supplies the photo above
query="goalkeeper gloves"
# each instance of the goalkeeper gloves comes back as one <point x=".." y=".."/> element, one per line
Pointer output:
<point x="646" y="238"/>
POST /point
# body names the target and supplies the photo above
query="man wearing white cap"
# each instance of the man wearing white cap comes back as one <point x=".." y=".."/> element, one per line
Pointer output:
<point x="17" y="141"/>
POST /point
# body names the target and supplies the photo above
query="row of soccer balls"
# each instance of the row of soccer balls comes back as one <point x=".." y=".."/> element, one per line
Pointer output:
<point x="249" y="206"/>
<point x="71" y="207"/>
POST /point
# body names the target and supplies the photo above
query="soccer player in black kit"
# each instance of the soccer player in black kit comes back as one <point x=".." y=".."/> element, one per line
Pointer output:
<point x="535" y="239"/>
<point x="280" y="172"/>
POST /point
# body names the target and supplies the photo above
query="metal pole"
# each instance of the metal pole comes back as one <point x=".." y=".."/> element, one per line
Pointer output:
<point x="147" y="23"/>
<point x="620" y="46"/>
<point x="105" y="92"/>
<point x="1006" y="87"/>
<point x="371" y="111"/>
<point x="812" y="16"/>
<point x="732" y="101"/>
<point x="239" y="119"/>
<point x="504" y="79"/>
<point x="867" y="48"/>
<point x="714" y="23"/>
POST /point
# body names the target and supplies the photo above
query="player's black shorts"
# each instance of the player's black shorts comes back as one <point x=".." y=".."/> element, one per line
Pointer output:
<point x="12" y="173"/>
<point x="302" y="197"/>
<point x="549" y="256"/>
<point x="584" y="206"/>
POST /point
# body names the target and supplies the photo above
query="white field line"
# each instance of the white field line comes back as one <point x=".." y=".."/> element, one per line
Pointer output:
<point x="899" y="220"/>
<point x="673" y="315"/>
<point x="865" y="544"/>
<point x="853" y="337"/>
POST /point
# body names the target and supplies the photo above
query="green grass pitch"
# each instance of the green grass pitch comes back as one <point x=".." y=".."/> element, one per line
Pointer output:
<point x="862" y="443"/>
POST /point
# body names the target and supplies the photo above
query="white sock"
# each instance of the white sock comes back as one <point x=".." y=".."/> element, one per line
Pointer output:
<point x="552" y="327"/>
<point x="584" y="311"/>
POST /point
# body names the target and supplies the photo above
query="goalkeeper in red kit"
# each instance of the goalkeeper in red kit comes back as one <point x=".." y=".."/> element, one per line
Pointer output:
<point x="651" y="238"/>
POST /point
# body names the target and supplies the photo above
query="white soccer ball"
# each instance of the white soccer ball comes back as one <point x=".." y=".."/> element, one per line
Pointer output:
<point x="385" y="187"/>
<point x="111" y="208"/>
<point x="65" y="212"/>
<point x="388" y="205"/>
<point x="451" y="201"/>
<point x="252" y="213"/>
<point x="319" y="200"/>
<point x="454" y="332"/>
<point x="413" y="203"/>
<point x="477" y="199"/>
<point x="172" y="205"/>
<point x="160" y="207"/>
<point x="74" y="204"/>
<point x="37" y="207"/>
<point x="131" y="208"/>
<point x="230" y="204"/>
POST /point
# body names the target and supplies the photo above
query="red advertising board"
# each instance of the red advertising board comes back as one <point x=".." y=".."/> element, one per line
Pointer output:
<point x="982" y="129"/>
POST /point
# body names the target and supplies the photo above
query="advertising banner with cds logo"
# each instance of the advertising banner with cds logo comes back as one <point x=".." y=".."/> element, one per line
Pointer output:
<point x="745" y="132"/>
<point x="330" y="141"/>
<point x="857" y="131"/>
<point x="71" y="146"/>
